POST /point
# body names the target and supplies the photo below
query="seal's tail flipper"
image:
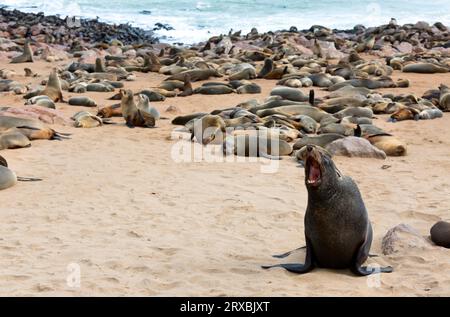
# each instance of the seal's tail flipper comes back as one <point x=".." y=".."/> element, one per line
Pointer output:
<point x="364" y="270"/>
<point x="291" y="267"/>
<point x="28" y="179"/>
<point x="311" y="97"/>
<point x="284" y="255"/>
<point x="357" y="131"/>
<point x="107" y="121"/>
<point x="60" y="136"/>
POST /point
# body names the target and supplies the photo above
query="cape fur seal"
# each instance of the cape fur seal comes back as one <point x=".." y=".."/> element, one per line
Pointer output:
<point x="388" y="143"/>
<point x="27" y="55"/>
<point x="444" y="98"/>
<point x="195" y="74"/>
<point x="53" y="88"/>
<point x="440" y="234"/>
<point x="84" y="119"/>
<point x="424" y="68"/>
<point x="110" y="111"/>
<point x="7" y="177"/>
<point x="13" y="139"/>
<point x="207" y="129"/>
<point x="338" y="232"/>
<point x="134" y="117"/>
<point x="256" y="146"/>
<point x="82" y="101"/>
<point x="32" y="129"/>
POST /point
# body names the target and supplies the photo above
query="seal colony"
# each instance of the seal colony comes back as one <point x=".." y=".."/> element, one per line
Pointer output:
<point x="329" y="91"/>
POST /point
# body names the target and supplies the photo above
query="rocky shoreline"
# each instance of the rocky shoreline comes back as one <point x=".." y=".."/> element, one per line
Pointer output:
<point x="52" y="29"/>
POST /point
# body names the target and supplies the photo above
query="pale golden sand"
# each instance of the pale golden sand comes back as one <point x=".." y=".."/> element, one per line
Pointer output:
<point x="137" y="223"/>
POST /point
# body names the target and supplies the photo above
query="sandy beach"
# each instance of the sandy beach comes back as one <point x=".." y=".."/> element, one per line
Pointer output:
<point x="114" y="203"/>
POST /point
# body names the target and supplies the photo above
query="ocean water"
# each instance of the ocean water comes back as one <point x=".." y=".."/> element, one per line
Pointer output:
<point x="194" y="21"/>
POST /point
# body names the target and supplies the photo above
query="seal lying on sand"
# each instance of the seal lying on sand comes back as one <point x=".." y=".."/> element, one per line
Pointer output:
<point x="32" y="129"/>
<point x="13" y="139"/>
<point x="337" y="228"/>
<point x="256" y="146"/>
<point x="440" y="234"/>
<point x="8" y="178"/>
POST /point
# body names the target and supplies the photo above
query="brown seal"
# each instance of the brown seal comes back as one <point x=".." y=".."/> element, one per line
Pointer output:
<point x="27" y="55"/>
<point x="134" y="117"/>
<point x="53" y="88"/>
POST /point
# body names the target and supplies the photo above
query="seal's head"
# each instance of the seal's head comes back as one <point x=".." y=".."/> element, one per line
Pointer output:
<point x="320" y="171"/>
<point x="126" y="95"/>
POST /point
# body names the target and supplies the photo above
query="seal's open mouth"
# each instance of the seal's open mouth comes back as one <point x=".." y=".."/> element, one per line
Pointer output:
<point x="313" y="172"/>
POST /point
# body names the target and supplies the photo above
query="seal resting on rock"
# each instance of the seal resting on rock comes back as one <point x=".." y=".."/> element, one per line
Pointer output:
<point x="338" y="232"/>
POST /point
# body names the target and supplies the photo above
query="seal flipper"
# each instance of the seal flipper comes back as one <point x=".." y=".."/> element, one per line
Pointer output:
<point x="291" y="267"/>
<point x="361" y="255"/>
<point x="284" y="255"/>
<point x="311" y="97"/>
<point x="357" y="131"/>
<point x="28" y="179"/>
<point x="298" y="267"/>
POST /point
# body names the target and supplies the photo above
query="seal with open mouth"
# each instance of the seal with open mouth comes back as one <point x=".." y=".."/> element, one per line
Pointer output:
<point x="338" y="232"/>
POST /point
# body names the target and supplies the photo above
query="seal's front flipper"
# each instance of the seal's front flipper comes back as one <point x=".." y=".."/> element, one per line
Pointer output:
<point x="291" y="267"/>
<point x="282" y="256"/>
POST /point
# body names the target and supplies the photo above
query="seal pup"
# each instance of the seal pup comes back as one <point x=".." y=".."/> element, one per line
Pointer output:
<point x="187" y="87"/>
<point x="84" y="119"/>
<point x="144" y="105"/>
<point x="440" y="234"/>
<point x="134" y="117"/>
<point x="110" y="111"/>
<point x="27" y="55"/>
<point x="338" y="232"/>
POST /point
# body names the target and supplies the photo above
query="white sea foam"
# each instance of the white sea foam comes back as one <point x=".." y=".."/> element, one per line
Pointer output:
<point x="195" y="21"/>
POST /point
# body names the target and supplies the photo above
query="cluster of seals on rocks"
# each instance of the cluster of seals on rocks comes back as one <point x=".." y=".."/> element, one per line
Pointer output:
<point x="338" y="232"/>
